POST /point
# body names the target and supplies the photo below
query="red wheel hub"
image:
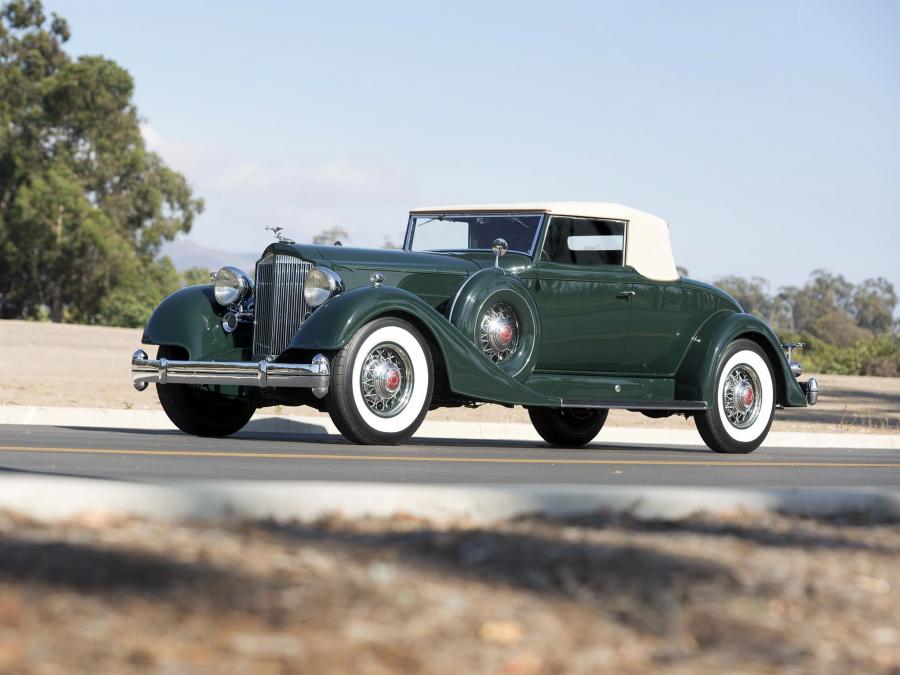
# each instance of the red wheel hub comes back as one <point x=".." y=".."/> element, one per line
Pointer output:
<point x="505" y="335"/>
<point x="392" y="381"/>
<point x="747" y="397"/>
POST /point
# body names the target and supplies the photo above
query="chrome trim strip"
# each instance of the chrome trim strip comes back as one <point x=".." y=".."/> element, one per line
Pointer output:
<point x="677" y="406"/>
<point x="315" y="375"/>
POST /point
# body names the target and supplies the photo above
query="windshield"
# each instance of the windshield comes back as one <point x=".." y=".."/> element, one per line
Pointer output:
<point x="474" y="232"/>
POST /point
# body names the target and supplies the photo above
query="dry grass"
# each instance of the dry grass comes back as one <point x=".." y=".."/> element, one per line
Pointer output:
<point x="748" y="593"/>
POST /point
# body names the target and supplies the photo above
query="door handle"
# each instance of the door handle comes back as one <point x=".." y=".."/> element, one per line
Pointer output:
<point x="627" y="295"/>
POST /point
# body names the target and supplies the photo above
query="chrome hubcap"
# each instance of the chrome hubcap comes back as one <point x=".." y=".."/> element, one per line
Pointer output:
<point x="499" y="332"/>
<point x="741" y="398"/>
<point x="386" y="380"/>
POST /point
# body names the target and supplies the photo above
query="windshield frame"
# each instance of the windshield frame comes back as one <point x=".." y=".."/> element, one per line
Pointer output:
<point x="410" y="229"/>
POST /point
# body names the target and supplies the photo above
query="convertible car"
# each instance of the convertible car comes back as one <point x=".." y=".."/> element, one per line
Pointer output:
<point x="567" y="309"/>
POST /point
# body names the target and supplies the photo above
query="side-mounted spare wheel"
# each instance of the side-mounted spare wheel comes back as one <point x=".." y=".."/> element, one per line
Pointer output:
<point x="381" y="383"/>
<point x="498" y="314"/>
<point x="198" y="411"/>
<point x="568" y="427"/>
<point x="744" y="401"/>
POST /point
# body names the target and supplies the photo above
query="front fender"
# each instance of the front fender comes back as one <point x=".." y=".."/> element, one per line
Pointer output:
<point x="470" y="374"/>
<point x="191" y="318"/>
<point x="696" y="377"/>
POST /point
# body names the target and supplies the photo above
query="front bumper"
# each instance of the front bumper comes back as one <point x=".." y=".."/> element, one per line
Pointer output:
<point x="315" y="375"/>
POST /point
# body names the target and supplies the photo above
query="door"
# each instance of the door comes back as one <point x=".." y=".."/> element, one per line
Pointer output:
<point x="664" y="317"/>
<point x="583" y="295"/>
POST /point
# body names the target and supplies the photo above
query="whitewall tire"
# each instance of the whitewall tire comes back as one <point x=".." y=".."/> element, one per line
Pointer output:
<point x="381" y="383"/>
<point x="744" y="401"/>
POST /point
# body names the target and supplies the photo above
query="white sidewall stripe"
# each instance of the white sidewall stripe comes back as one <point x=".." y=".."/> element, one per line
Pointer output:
<point x="758" y="364"/>
<point x="405" y="418"/>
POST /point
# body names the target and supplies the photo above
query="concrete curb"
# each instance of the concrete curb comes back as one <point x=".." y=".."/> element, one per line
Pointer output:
<point x="494" y="431"/>
<point x="63" y="498"/>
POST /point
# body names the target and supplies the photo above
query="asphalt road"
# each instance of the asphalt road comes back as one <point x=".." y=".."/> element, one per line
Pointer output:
<point x="143" y="455"/>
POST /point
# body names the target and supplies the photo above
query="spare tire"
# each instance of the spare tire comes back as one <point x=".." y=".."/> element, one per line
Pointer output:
<point x="497" y="313"/>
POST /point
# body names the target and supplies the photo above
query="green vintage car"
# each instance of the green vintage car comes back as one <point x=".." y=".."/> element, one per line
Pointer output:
<point x="567" y="309"/>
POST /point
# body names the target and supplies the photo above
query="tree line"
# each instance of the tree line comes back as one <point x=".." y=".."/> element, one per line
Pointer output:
<point x="848" y="328"/>
<point x="84" y="205"/>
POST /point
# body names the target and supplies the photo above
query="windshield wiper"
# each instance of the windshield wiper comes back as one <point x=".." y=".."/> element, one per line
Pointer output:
<point x="518" y="220"/>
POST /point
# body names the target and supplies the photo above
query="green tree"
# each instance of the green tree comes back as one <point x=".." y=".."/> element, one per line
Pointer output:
<point x="194" y="276"/>
<point x="751" y="294"/>
<point x="823" y="294"/>
<point x="874" y="301"/>
<point x="84" y="206"/>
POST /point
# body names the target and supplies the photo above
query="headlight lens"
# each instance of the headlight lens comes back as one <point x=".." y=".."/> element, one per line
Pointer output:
<point x="231" y="286"/>
<point x="321" y="284"/>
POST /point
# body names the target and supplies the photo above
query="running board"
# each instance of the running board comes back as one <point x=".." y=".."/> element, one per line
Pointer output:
<point x="677" y="406"/>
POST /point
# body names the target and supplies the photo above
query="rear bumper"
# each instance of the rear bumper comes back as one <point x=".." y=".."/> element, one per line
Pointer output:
<point x="810" y="390"/>
<point x="315" y="375"/>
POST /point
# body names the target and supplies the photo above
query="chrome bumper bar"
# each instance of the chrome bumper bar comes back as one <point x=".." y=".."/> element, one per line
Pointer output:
<point x="810" y="390"/>
<point x="315" y="375"/>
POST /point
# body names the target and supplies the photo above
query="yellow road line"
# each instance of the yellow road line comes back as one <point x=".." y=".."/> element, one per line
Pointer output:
<point x="463" y="460"/>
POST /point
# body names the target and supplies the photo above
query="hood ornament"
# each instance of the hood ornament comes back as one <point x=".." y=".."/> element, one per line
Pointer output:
<point x="280" y="237"/>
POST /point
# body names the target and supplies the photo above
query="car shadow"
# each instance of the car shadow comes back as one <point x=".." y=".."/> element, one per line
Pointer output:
<point x="60" y="474"/>
<point x="540" y="445"/>
<point x="300" y="432"/>
<point x="269" y="428"/>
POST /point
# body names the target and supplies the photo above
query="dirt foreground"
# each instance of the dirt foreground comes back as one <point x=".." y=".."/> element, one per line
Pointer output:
<point x="747" y="593"/>
<point x="69" y="365"/>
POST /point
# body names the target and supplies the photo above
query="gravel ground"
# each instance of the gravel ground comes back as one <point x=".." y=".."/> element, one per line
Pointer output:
<point x="71" y="365"/>
<point x="750" y="593"/>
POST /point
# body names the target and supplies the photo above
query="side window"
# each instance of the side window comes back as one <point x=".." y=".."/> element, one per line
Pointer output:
<point x="584" y="241"/>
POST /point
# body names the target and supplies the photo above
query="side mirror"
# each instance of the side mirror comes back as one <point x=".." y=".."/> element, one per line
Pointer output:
<point x="499" y="247"/>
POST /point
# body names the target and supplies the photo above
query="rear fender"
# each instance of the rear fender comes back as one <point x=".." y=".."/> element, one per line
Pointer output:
<point x="696" y="376"/>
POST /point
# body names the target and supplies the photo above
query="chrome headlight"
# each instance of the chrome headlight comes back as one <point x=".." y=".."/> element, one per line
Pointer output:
<point x="321" y="283"/>
<point x="231" y="286"/>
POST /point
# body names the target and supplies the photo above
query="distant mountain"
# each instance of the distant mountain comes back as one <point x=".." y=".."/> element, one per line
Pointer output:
<point x="185" y="254"/>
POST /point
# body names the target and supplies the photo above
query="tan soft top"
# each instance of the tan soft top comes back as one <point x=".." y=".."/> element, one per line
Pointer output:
<point x="648" y="249"/>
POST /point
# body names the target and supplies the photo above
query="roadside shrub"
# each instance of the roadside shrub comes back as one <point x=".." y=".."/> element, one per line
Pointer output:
<point x="879" y="356"/>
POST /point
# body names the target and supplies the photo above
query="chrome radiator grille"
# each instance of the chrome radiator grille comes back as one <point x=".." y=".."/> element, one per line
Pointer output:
<point x="280" y="305"/>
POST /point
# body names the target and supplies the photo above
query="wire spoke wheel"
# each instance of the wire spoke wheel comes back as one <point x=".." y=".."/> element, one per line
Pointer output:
<point x="498" y="334"/>
<point x="386" y="379"/>
<point x="742" y="396"/>
<point x="743" y="405"/>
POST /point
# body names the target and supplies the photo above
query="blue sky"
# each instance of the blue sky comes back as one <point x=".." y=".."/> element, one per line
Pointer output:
<point x="767" y="134"/>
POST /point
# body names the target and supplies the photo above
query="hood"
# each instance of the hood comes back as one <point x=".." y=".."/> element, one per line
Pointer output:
<point x="353" y="258"/>
<point x="387" y="259"/>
